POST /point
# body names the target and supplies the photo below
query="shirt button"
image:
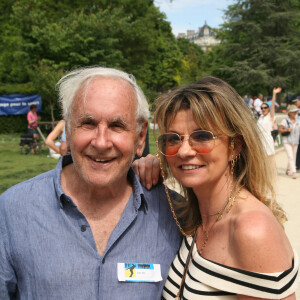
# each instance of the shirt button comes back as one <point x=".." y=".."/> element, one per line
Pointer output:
<point x="83" y="228"/>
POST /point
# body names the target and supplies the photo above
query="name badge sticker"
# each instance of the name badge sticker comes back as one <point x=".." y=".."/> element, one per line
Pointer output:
<point x="139" y="272"/>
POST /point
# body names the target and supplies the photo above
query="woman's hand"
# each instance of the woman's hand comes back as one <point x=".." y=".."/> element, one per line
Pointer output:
<point x="148" y="169"/>
<point x="277" y="90"/>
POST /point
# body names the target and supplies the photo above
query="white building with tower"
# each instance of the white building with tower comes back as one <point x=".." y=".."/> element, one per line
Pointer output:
<point x="205" y="37"/>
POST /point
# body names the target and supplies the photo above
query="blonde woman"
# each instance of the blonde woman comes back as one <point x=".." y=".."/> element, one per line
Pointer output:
<point x="234" y="245"/>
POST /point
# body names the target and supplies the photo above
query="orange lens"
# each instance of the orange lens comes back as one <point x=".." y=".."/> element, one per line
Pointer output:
<point x="200" y="140"/>
<point x="171" y="150"/>
<point x="202" y="148"/>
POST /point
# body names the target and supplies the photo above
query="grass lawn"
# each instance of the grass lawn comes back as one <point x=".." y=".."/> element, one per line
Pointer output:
<point x="152" y="144"/>
<point x="17" y="167"/>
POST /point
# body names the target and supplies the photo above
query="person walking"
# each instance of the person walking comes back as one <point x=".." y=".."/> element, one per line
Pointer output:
<point x="290" y="130"/>
<point x="297" y="103"/>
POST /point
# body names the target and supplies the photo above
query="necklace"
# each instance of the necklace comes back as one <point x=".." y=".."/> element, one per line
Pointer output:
<point x="168" y="197"/>
<point x="218" y="212"/>
<point x="190" y="256"/>
<point x="206" y="231"/>
<point x="230" y="202"/>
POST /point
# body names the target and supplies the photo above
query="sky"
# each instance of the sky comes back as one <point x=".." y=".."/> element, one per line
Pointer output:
<point x="192" y="14"/>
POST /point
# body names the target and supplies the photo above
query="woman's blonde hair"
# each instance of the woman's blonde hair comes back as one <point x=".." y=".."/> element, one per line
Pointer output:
<point x="216" y="106"/>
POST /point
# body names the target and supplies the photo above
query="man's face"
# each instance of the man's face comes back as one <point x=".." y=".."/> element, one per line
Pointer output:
<point x="260" y="96"/>
<point x="298" y="103"/>
<point x="103" y="137"/>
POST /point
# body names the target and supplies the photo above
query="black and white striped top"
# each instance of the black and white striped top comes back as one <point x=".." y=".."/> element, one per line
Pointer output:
<point x="206" y="278"/>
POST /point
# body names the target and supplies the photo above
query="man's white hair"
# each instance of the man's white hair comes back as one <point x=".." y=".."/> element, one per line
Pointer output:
<point x="70" y="84"/>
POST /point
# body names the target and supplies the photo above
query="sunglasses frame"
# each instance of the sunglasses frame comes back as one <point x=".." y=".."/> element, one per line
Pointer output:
<point x="214" y="137"/>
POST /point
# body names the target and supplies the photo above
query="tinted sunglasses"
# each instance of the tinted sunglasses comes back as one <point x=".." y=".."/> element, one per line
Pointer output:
<point x="202" y="141"/>
<point x="264" y="107"/>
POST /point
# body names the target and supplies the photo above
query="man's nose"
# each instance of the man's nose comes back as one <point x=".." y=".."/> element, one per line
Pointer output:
<point x="102" y="138"/>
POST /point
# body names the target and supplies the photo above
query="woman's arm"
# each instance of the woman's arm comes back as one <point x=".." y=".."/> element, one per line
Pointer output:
<point x="282" y="128"/>
<point x="272" y="107"/>
<point x="54" y="134"/>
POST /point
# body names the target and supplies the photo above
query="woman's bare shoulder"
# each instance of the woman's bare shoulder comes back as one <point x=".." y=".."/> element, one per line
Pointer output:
<point x="258" y="241"/>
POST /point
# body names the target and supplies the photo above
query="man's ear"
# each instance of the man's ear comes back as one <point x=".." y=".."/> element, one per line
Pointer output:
<point x="141" y="139"/>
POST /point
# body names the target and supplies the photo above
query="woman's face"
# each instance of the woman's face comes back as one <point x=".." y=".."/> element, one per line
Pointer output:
<point x="264" y="109"/>
<point x="195" y="170"/>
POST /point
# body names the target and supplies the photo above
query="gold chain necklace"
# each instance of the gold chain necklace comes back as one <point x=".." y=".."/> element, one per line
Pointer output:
<point x="230" y="202"/>
<point x="168" y="197"/>
<point x="218" y="212"/>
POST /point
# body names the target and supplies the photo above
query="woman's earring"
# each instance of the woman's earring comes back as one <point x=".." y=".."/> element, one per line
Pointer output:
<point x="235" y="159"/>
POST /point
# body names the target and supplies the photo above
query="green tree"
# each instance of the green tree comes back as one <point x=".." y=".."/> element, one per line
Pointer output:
<point x="44" y="79"/>
<point x="63" y="35"/>
<point x="192" y="63"/>
<point x="260" y="45"/>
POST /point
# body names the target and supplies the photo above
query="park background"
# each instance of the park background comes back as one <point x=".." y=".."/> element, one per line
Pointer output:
<point x="41" y="40"/>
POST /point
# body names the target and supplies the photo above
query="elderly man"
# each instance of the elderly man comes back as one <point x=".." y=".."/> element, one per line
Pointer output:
<point x="76" y="232"/>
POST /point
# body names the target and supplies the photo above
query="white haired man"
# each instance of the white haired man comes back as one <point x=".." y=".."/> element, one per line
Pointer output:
<point x="76" y="232"/>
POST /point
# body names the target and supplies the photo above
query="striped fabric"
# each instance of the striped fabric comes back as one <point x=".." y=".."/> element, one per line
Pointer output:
<point x="206" y="278"/>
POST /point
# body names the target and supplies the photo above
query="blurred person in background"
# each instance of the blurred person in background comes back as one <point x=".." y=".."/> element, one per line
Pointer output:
<point x="257" y="105"/>
<point x="56" y="139"/>
<point x="266" y="124"/>
<point x="297" y="103"/>
<point x="290" y="131"/>
<point x="274" y="131"/>
<point x="32" y="120"/>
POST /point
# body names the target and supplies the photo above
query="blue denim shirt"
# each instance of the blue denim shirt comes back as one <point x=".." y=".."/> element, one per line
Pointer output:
<point x="47" y="250"/>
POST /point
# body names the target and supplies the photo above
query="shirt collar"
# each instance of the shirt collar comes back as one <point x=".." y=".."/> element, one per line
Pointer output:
<point x="138" y="191"/>
<point x="139" y="198"/>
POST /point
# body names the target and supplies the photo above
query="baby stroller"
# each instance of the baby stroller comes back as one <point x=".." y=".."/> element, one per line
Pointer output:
<point x="28" y="144"/>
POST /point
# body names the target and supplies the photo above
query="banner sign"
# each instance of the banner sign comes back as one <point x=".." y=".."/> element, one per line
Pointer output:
<point x="17" y="104"/>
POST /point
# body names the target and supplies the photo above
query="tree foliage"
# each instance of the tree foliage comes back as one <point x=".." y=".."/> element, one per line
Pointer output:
<point x="43" y="39"/>
<point x="192" y="61"/>
<point x="260" y="45"/>
<point x="47" y="37"/>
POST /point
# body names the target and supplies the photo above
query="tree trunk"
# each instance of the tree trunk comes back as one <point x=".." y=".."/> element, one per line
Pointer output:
<point x="52" y="114"/>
